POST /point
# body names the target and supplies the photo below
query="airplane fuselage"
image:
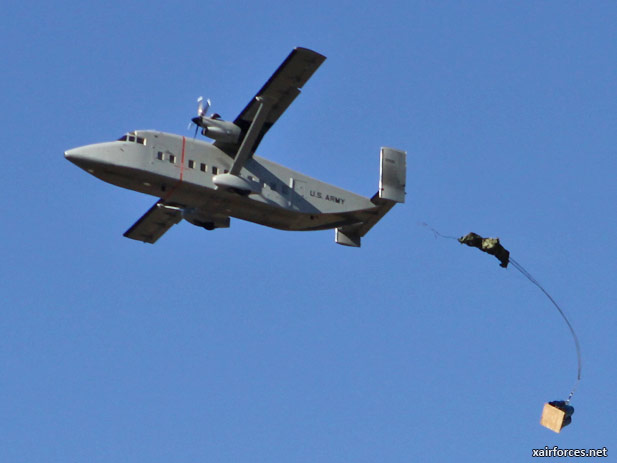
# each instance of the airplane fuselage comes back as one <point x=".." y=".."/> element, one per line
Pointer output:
<point x="193" y="174"/>
<point x="207" y="183"/>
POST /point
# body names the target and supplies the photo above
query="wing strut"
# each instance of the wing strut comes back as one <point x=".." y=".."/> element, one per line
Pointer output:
<point x="254" y="130"/>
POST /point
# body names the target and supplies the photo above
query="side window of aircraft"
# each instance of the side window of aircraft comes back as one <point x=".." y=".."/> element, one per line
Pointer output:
<point x="203" y="167"/>
<point x="191" y="164"/>
<point x="215" y="170"/>
<point x="172" y="158"/>
<point x="160" y="156"/>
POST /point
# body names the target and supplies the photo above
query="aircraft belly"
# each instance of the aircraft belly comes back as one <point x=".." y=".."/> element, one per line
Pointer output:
<point x="252" y="209"/>
<point x="284" y="218"/>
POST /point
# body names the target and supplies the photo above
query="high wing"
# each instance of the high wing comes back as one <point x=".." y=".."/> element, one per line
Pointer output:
<point x="272" y="101"/>
<point x="154" y="223"/>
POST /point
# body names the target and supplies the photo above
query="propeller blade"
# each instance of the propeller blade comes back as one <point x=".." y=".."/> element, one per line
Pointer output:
<point x="201" y="113"/>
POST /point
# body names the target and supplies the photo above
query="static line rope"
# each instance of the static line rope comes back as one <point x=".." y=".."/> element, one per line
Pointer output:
<point x="436" y="233"/>
<point x="528" y="275"/>
<point x="525" y="273"/>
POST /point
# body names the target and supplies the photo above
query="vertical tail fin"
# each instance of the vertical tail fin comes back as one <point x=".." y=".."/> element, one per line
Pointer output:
<point x="392" y="174"/>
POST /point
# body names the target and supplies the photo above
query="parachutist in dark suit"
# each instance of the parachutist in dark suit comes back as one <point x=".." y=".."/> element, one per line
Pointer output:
<point x="489" y="245"/>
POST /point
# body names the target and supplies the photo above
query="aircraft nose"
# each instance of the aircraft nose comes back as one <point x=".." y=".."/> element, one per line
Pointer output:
<point x="84" y="157"/>
<point x="98" y="157"/>
<point x="72" y="154"/>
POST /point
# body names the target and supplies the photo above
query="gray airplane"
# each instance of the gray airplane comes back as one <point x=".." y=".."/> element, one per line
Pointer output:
<point x="207" y="183"/>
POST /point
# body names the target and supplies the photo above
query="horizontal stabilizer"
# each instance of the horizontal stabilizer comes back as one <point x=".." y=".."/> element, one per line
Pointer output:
<point x="154" y="223"/>
<point x="393" y="174"/>
<point x="348" y="236"/>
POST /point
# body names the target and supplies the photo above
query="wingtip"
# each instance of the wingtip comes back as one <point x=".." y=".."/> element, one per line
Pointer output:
<point x="312" y="53"/>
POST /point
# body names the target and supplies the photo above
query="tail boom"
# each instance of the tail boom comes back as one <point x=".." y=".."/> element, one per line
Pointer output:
<point x="392" y="178"/>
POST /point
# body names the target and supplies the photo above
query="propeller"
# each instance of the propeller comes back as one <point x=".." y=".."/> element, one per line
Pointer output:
<point x="201" y="112"/>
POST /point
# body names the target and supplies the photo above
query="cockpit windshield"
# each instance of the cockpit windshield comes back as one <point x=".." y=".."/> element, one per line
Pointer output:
<point x="132" y="138"/>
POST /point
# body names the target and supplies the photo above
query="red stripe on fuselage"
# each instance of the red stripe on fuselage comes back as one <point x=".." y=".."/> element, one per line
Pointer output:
<point x="182" y="161"/>
<point x="177" y="184"/>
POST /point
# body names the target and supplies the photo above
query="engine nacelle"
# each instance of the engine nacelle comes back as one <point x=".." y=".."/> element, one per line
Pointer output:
<point x="218" y="130"/>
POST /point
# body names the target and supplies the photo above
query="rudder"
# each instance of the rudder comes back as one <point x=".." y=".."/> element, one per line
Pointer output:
<point x="392" y="174"/>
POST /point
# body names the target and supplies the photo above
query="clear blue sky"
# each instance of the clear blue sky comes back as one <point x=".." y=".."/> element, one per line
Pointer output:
<point x="256" y="345"/>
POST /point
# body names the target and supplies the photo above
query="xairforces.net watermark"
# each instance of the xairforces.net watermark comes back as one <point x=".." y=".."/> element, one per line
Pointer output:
<point x="557" y="452"/>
